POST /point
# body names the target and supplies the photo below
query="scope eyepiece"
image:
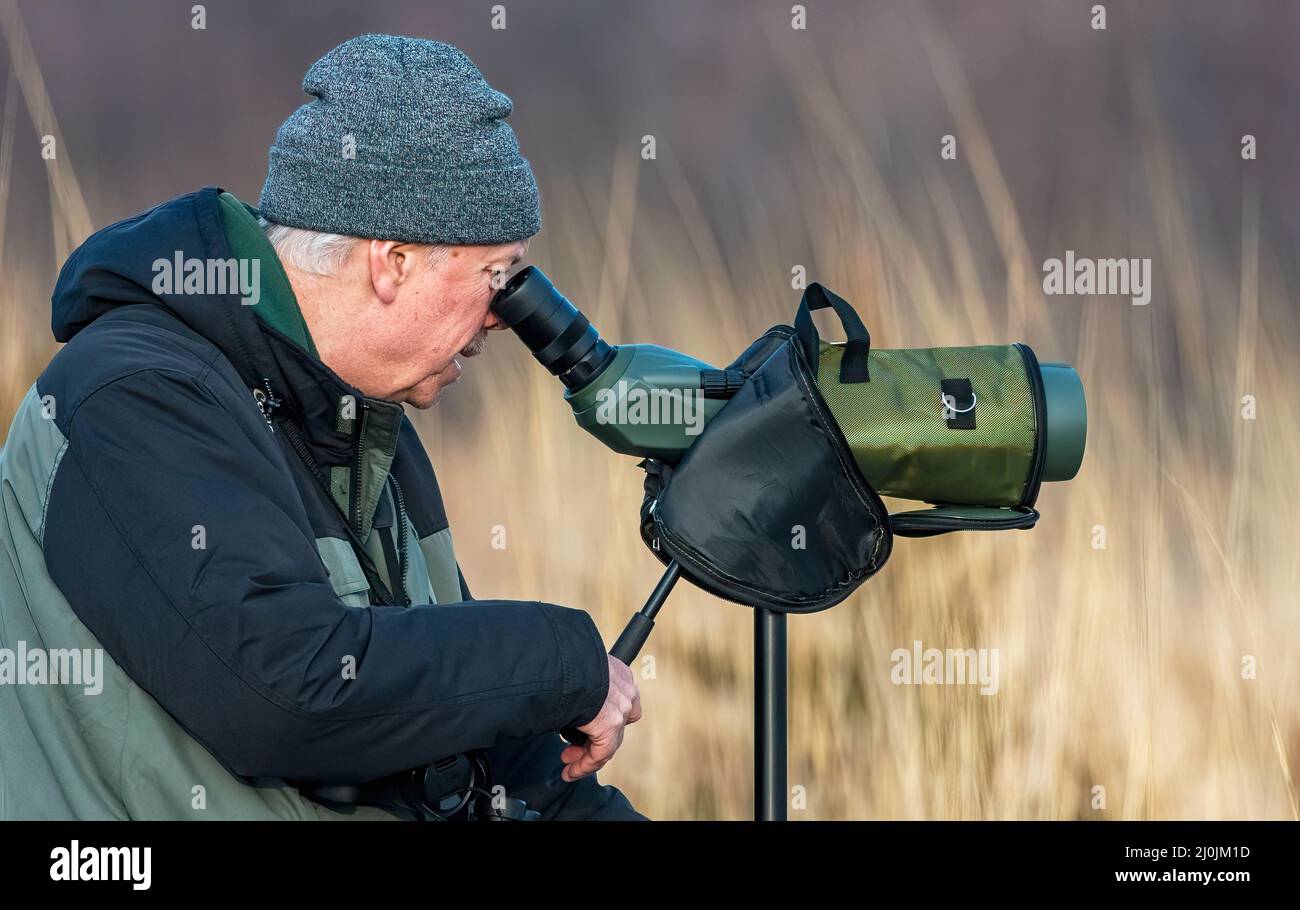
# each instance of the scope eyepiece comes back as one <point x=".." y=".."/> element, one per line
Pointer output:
<point x="559" y="336"/>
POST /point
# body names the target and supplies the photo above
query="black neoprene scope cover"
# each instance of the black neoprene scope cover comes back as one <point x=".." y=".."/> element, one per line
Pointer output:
<point x="768" y="508"/>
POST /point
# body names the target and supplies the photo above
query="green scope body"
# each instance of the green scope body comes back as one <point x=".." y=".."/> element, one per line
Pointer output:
<point x="1010" y="423"/>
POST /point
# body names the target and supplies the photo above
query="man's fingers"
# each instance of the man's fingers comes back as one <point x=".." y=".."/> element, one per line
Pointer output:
<point x="603" y="750"/>
<point x="594" y="756"/>
<point x="605" y="731"/>
<point x="574" y="754"/>
<point x="583" y="760"/>
<point x="582" y="767"/>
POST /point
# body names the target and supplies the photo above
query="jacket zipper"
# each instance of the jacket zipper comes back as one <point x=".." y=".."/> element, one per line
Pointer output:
<point x="368" y="568"/>
<point x="400" y="588"/>
<point x="400" y="595"/>
<point x="356" y="466"/>
<point x="267" y="402"/>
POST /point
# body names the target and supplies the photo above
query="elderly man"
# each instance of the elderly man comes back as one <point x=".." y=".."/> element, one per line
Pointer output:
<point x="214" y="482"/>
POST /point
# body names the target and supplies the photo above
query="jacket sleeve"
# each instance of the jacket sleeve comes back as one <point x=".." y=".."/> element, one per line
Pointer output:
<point x="177" y="534"/>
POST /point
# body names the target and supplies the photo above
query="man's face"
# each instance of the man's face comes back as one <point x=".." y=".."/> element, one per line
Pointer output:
<point x="439" y="314"/>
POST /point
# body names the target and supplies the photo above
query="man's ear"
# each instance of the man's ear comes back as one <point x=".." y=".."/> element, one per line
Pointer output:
<point x="392" y="263"/>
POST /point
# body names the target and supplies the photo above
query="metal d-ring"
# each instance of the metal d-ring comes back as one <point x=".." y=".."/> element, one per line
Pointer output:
<point x="943" y="399"/>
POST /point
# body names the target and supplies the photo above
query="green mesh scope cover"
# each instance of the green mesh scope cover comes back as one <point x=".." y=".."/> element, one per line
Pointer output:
<point x="982" y="452"/>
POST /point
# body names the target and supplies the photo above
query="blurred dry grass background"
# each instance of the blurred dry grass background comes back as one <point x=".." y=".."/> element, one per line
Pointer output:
<point x="1121" y="667"/>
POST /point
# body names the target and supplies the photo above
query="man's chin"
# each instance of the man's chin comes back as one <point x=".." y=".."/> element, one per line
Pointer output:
<point x="422" y="399"/>
<point x="427" y="394"/>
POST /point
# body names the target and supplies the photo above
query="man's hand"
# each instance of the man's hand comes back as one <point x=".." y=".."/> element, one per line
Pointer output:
<point x="605" y="731"/>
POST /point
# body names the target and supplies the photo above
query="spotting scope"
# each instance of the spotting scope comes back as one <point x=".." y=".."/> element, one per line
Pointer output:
<point x="946" y="425"/>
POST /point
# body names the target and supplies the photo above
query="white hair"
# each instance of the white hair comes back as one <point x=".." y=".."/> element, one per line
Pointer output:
<point x="320" y="253"/>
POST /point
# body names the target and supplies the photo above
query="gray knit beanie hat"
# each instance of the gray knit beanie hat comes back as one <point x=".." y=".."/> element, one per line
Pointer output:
<point x="404" y="140"/>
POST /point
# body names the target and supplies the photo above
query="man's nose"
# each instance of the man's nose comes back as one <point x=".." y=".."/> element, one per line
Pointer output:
<point x="493" y="322"/>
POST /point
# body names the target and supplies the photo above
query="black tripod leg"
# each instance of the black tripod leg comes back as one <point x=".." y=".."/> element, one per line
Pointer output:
<point x="637" y="630"/>
<point x="634" y="635"/>
<point x="769" y="715"/>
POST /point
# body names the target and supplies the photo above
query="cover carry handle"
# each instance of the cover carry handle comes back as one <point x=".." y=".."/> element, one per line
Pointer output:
<point x="853" y="366"/>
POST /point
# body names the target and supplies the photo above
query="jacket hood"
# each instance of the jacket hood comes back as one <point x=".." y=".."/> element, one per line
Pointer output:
<point x="128" y="264"/>
<point x="134" y="262"/>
